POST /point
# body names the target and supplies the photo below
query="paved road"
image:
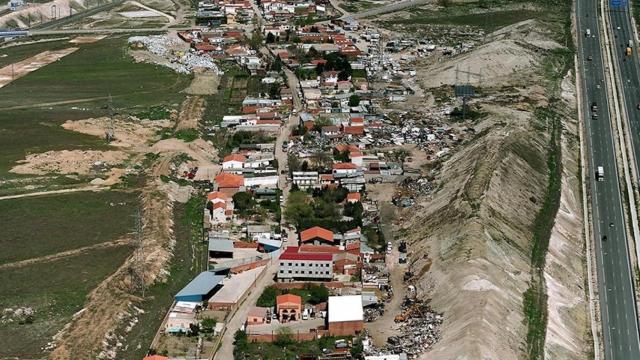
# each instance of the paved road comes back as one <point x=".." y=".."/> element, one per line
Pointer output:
<point x="617" y="302"/>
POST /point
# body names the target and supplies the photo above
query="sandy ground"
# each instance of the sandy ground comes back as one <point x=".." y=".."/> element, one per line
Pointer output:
<point x="568" y="318"/>
<point x="83" y="162"/>
<point x="87" y="39"/>
<point x="17" y="70"/>
<point x="202" y="152"/>
<point x="128" y="134"/>
<point x="511" y="50"/>
<point x="205" y="82"/>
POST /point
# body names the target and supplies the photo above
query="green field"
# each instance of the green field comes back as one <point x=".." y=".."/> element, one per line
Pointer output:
<point x="55" y="290"/>
<point x="33" y="131"/>
<point x="12" y="54"/>
<point x="93" y="73"/>
<point x="79" y="85"/>
<point x="45" y="225"/>
<point x="189" y="259"/>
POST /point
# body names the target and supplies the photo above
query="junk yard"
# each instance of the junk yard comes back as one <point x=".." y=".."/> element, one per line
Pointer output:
<point x="273" y="179"/>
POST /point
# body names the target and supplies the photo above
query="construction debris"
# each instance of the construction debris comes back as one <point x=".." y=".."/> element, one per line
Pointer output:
<point x="419" y="326"/>
<point x="183" y="62"/>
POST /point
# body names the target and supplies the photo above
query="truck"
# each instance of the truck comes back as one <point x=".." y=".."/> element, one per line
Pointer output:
<point x="628" y="52"/>
<point x="630" y="43"/>
<point x="587" y="33"/>
<point x="600" y="173"/>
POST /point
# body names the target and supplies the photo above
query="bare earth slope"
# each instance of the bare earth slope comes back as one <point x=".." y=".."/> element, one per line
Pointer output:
<point x="475" y="233"/>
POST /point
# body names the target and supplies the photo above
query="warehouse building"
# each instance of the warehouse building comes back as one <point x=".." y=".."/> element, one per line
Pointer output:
<point x="346" y="316"/>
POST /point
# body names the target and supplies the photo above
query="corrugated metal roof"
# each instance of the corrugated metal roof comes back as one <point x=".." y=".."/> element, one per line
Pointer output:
<point x="201" y="284"/>
<point x="220" y="245"/>
<point x="345" y="308"/>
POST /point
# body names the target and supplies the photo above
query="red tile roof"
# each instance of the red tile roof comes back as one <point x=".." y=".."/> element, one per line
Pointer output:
<point x="327" y="249"/>
<point x="155" y="357"/>
<point x="345" y="147"/>
<point x="354" y="130"/>
<point x="326" y="177"/>
<point x="316" y="232"/>
<point x="234" y="157"/>
<point x="353" y="197"/>
<point x="226" y="180"/>
<point x="216" y="195"/>
<point x="344" y="166"/>
<point x="288" y="298"/>
<point x="219" y="205"/>
<point x="292" y="253"/>
<point x="355" y="154"/>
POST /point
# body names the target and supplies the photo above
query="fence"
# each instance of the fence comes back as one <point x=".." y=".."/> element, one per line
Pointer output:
<point x="299" y="336"/>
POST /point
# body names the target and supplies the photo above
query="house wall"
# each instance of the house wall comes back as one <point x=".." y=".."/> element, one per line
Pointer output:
<point x="305" y="269"/>
<point x="343" y="328"/>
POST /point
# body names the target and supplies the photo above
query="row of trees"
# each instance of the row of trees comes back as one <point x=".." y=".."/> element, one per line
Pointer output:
<point x="305" y="211"/>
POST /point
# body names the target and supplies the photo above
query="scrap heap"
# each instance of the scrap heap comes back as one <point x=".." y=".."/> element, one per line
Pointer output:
<point x="420" y="328"/>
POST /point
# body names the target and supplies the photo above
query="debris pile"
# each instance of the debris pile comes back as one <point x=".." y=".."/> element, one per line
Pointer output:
<point x="21" y="315"/>
<point x="419" y="327"/>
<point x="180" y="61"/>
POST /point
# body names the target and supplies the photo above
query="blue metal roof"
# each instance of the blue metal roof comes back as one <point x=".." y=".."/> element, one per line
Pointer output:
<point x="200" y="286"/>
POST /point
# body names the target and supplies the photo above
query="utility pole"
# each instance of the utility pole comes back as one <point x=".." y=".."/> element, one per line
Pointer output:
<point x="110" y="134"/>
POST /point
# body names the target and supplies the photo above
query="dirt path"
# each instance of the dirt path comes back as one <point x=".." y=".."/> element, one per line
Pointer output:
<point x="52" y="192"/>
<point x="191" y="112"/>
<point x="65" y="254"/>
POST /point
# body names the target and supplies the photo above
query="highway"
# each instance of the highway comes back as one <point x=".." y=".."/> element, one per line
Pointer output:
<point x="617" y="301"/>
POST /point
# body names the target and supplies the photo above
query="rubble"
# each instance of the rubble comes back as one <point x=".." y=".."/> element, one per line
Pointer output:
<point x="180" y="62"/>
<point x="419" y="326"/>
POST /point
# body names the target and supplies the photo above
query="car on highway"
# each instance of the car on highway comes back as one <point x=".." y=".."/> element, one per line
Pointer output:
<point x="589" y="57"/>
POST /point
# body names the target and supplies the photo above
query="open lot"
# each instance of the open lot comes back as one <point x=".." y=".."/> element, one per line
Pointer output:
<point x="55" y="290"/>
<point x="45" y="225"/>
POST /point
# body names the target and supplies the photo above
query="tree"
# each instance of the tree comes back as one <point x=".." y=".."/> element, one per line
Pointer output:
<point x="293" y="162"/>
<point x="284" y="336"/>
<point x="243" y="201"/>
<point x="271" y="38"/>
<point x="318" y="293"/>
<point x="268" y="297"/>
<point x="354" y="100"/>
<point x="298" y="208"/>
<point x="256" y="40"/>
<point x="241" y="344"/>
<point x="277" y="64"/>
<point x="208" y="324"/>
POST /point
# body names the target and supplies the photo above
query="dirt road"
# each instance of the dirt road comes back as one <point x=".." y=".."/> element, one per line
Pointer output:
<point x="226" y="349"/>
<point x="53" y="192"/>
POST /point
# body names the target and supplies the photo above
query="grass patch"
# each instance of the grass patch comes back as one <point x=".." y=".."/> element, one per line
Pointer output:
<point x="13" y="54"/>
<point x="157" y="112"/>
<point x="97" y="70"/>
<point x="55" y="290"/>
<point x="44" y="225"/>
<point x="189" y="259"/>
<point x="187" y="135"/>
<point x="33" y="131"/>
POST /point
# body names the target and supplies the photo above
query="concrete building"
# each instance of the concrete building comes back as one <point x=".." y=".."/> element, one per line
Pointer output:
<point x="233" y="162"/>
<point x="306" y="179"/>
<point x="257" y="315"/>
<point x="345" y="316"/>
<point x="288" y="307"/>
<point x="294" y="265"/>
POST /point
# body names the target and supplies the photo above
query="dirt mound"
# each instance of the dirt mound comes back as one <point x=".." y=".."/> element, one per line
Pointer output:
<point x="510" y="57"/>
<point x="83" y="162"/>
<point x="497" y="61"/>
<point x="128" y="133"/>
<point x="202" y="152"/>
<point x="471" y="241"/>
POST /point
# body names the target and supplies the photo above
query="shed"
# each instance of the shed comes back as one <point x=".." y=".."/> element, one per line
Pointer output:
<point x="200" y="288"/>
<point x="220" y="248"/>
